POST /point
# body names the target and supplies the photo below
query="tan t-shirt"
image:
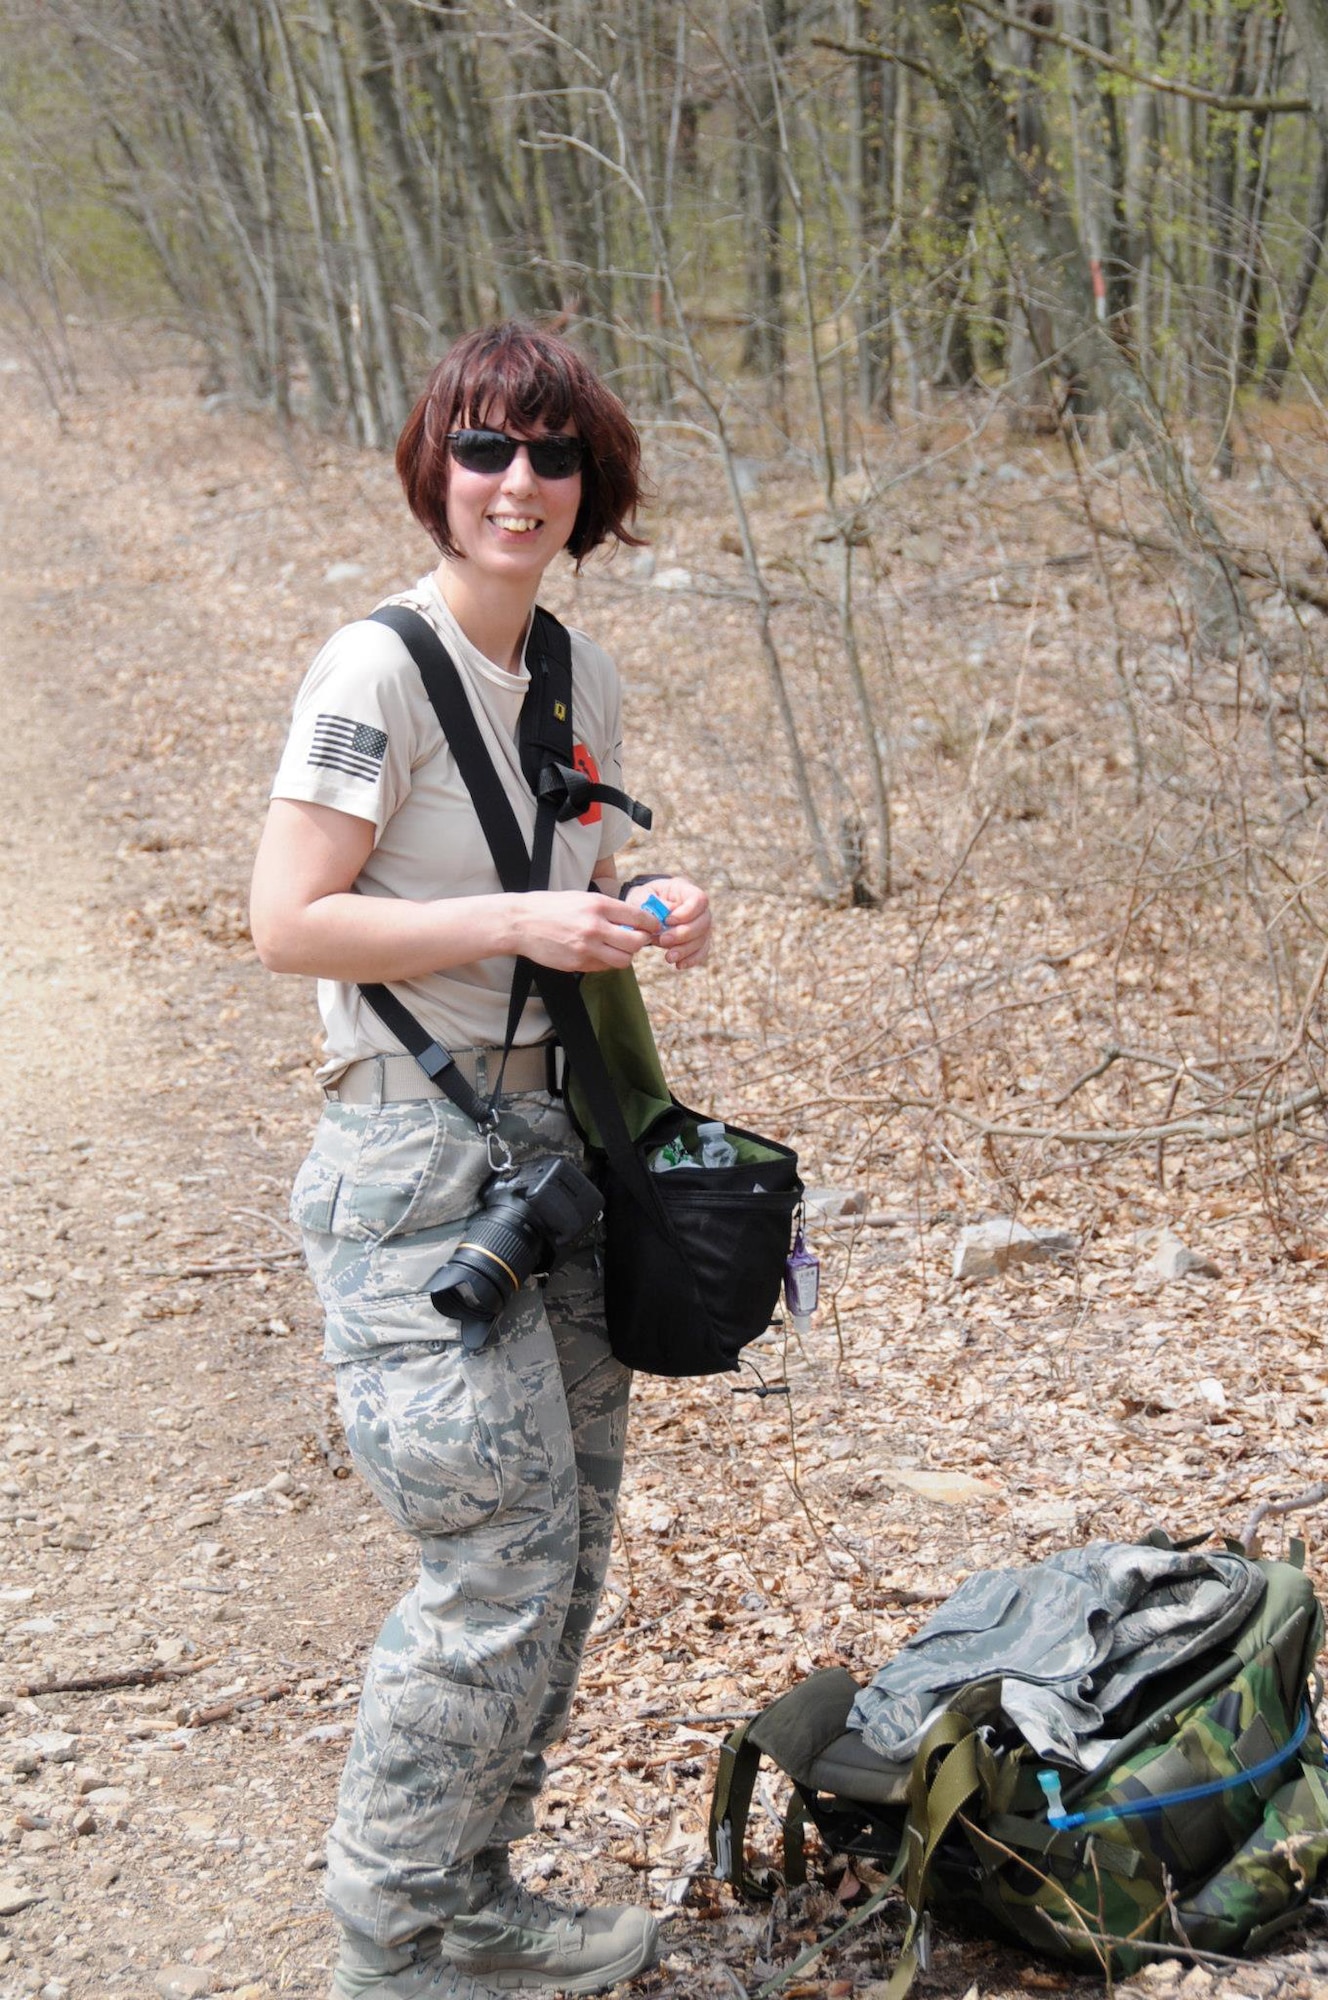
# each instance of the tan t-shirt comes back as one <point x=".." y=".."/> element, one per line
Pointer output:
<point x="364" y="740"/>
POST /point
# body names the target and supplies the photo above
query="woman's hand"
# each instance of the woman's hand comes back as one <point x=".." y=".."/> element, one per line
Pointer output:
<point x="685" y="939"/>
<point x="573" y="930"/>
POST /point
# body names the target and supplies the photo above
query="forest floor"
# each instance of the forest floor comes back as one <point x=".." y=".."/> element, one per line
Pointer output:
<point x="173" y="1494"/>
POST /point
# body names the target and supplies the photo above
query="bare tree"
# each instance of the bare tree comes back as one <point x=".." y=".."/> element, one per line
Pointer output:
<point x="1054" y="285"/>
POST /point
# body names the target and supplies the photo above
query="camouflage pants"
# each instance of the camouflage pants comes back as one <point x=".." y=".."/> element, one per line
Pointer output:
<point x="504" y="1467"/>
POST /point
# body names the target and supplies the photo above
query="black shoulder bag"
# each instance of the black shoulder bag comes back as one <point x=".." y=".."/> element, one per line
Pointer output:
<point x="693" y="1257"/>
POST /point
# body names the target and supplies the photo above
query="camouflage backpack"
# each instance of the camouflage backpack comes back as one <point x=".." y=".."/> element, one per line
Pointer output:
<point x="1204" y="1830"/>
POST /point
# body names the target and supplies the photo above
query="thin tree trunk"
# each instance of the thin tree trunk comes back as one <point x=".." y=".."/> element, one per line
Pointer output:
<point x="764" y="347"/>
<point x="1284" y="347"/>
<point x="383" y="351"/>
<point x="1309" y="18"/>
<point x="339" y="396"/>
<point x="1028" y="378"/>
<point x="1050" y="274"/>
<point x="255" y="115"/>
<point x="409" y="207"/>
<point x="871" y="184"/>
<point x="1142" y="136"/>
<point x="1099" y="157"/>
<point x="484" y="181"/>
<point x="847" y="623"/>
<point x="954" y="365"/>
<point x="1256" y="180"/>
<point x="1228" y="136"/>
<point x="581" y="281"/>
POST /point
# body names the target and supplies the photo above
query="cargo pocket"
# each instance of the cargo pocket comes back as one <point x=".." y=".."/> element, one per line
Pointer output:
<point x="314" y="1196"/>
<point x="432" y="1763"/>
<point x="420" y="1165"/>
<point x="440" y="1459"/>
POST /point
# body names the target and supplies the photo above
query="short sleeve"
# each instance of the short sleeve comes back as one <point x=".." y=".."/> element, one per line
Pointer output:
<point x="355" y="733"/>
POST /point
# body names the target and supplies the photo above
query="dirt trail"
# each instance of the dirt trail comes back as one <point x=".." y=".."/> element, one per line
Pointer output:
<point x="128" y="1423"/>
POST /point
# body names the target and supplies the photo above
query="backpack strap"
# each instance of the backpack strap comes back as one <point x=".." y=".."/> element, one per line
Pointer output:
<point x="544" y="733"/>
<point x="571" y="792"/>
<point x="545" y="736"/>
<point x="518" y="873"/>
<point x="937" y="1800"/>
<point x="437" y="1062"/>
<point x="730" y="1803"/>
<point x="456" y="718"/>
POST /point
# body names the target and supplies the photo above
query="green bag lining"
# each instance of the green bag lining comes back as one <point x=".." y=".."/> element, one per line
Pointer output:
<point x="750" y="1152"/>
<point x="622" y="1029"/>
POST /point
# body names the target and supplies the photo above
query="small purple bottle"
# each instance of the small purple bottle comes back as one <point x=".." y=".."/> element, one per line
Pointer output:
<point x="802" y="1282"/>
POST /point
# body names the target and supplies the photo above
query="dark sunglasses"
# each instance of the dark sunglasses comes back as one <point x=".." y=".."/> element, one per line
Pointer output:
<point x="493" y="451"/>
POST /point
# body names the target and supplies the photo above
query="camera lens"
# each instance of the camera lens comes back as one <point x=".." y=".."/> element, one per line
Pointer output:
<point x="490" y="1264"/>
<point x="525" y="1218"/>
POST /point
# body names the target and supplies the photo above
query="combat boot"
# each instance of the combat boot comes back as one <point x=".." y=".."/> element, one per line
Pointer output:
<point x="514" y="1938"/>
<point x="410" y="1971"/>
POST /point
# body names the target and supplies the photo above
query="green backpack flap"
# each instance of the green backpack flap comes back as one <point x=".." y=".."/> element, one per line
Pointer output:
<point x="1207" y="1829"/>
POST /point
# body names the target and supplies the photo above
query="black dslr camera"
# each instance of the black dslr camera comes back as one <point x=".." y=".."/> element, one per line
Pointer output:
<point x="525" y="1219"/>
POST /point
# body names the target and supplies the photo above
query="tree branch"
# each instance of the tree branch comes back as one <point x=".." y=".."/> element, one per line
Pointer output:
<point x="877" y="54"/>
<point x="118" y="1677"/>
<point x="1216" y="100"/>
<point x="1200" y="1129"/>
<point x="1249" y="1534"/>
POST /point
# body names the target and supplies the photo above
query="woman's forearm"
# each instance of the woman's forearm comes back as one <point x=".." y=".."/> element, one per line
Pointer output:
<point x="353" y="937"/>
<point x="305" y="917"/>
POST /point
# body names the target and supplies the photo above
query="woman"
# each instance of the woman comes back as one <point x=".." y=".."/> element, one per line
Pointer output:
<point x="502" y="1463"/>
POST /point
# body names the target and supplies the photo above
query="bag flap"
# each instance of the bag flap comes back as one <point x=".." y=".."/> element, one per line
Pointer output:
<point x="622" y="1029"/>
<point x="804" y="1733"/>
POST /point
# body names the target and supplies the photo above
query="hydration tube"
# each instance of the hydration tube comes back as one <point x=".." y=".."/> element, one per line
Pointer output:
<point x="1132" y="1808"/>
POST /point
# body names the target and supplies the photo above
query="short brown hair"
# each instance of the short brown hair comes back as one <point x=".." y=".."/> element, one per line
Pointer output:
<point x="535" y="378"/>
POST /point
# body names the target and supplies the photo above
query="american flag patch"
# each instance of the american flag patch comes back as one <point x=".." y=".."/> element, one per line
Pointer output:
<point x="342" y="745"/>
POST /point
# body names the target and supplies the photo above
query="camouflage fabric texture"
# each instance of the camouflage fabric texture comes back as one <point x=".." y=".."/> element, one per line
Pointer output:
<point x="503" y="1465"/>
<point x="966" y="1824"/>
<point x="1212" y="1871"/>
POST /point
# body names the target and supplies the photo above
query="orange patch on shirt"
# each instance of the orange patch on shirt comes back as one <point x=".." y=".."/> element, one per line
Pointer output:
<point x="584" y="762"/>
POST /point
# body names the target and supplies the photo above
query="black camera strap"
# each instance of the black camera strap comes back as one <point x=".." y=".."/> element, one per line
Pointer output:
<point x="517" y="871"/>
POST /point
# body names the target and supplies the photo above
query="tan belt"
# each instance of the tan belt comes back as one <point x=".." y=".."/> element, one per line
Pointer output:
<point x="535" y="1067"/>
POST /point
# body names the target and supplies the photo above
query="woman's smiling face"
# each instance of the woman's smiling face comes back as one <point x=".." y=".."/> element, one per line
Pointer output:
<point x="511" y="524"/>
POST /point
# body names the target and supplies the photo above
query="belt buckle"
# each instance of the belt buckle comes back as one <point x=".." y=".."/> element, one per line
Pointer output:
<point x="481" y="1061"/>
<point x="556" y="1068"/>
